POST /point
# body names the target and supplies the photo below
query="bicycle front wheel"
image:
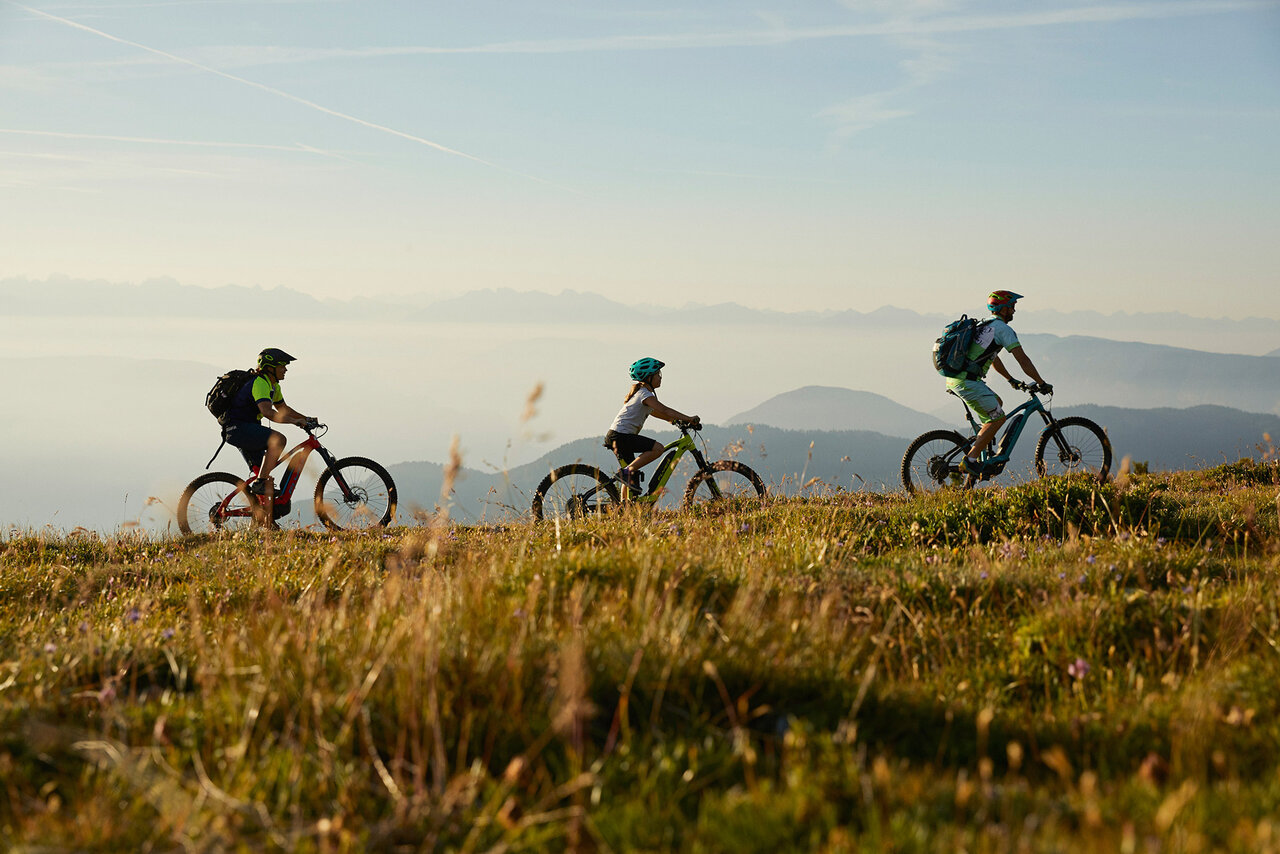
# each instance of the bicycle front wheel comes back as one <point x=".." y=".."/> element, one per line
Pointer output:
<point x="573" y="492"/>
<point x="356" y="494"/>
<point x="930" y="461"/>
<point x="723" y="482"/>
<point x="215" y="502"/>
<point x="1074" y="445"/>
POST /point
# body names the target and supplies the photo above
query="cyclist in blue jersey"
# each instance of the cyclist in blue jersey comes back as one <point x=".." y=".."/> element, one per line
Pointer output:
<point x="261" y="398"/>
<point x="994" y="335"/>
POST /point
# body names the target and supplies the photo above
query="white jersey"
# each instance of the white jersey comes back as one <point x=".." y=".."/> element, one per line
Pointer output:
<point x="631" y="416"/>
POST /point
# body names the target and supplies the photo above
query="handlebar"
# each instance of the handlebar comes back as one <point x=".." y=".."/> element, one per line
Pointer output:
<point x="688" y="425"/>
<point x="1032" y="388"/>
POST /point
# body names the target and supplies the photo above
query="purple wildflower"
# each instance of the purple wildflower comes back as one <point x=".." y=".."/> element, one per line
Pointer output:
<point x="1078" y="669"/>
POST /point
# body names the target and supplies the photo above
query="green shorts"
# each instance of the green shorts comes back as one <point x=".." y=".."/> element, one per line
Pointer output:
<point x="979" y="397"/>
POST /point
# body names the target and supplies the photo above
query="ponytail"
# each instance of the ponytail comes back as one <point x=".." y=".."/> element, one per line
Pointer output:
<point x="635" y="387"/>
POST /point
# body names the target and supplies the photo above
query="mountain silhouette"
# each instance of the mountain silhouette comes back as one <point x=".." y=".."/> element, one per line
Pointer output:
<point x="833" y="408"/>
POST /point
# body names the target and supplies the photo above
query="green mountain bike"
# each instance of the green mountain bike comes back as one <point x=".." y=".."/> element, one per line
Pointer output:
<point x="578" y="490"/>
<point x="1067" y="445"/>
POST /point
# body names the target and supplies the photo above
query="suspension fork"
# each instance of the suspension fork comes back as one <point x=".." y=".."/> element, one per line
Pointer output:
<point x="703" y="467"/>
<point x="331" y="463"/>
<point x="1051" y="425"/>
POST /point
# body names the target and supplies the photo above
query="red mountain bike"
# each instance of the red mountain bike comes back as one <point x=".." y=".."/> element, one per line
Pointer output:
<point x="353" y="493"/>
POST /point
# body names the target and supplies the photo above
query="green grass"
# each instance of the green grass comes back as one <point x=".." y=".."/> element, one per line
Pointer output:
<point x="1053" y="666"/>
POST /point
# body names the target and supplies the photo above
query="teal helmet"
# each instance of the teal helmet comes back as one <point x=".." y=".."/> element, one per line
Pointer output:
<point x="642" y="370"/>
<point x="997" y="300"/>
<point x="273" y="356"/>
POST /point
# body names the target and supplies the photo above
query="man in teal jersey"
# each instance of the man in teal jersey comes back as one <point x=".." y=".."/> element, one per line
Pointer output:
<point x="994" y="335"/>
<point x="258" y="399"/>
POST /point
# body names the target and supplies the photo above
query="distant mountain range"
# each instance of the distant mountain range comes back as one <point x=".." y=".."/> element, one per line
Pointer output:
<point x="838" y="409"/>
<point x="62" y="296"/>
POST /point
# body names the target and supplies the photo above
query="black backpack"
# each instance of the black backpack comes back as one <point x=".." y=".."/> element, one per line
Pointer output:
<point x="951" y="350"/>
<point x="224" y="390"/>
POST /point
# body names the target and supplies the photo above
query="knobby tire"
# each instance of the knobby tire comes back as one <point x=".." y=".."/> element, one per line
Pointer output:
<point x="374" y="502"/>
<point x="203" y="495"/>
<point x="1083" y="437"/>
<point x="548" y="501"/>
<point x="741" y="482"/>
<point x="915" y="467"/>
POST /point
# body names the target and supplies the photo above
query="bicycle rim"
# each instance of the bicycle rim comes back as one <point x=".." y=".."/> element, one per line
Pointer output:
<point x="369" y="502"/>
<point x="217" y="505"/>
<point x="575" y="495"/>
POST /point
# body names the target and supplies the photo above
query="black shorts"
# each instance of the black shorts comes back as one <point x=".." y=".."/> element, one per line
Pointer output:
<point x="250" y="437"/>
<point x="628" y="446"/>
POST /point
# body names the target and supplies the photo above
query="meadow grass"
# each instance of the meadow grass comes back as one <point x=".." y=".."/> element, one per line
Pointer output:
<point x="1052" y="666"/>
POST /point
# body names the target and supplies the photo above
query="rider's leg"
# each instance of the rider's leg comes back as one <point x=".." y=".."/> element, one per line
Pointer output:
<point x="625" y="446"/>
<point x="275" y="446"/>
<point x="986" y="406"/>
<point x="646" y="458"/>
<point x="984" y="437"/>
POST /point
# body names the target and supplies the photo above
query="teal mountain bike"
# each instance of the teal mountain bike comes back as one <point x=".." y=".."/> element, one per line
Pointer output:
<point x="1067" y="446"/>
<point x="579" y="490"/>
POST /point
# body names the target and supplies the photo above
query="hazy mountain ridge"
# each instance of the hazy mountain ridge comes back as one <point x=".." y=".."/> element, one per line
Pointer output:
<point x="165" y="297"/>
<point x="1139" y="375"/>
<point x="838" y="409"/>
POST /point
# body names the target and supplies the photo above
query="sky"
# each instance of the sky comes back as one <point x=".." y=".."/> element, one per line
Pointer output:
<point x="799" y="155"/>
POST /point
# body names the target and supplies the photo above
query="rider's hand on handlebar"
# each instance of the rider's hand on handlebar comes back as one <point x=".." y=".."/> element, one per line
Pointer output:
<point x="1045" y="388"/>
<point x="1017" y="384"/>
<point x="310" y="424"/>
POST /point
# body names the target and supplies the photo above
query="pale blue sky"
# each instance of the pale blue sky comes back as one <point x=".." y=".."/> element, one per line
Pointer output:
<point x="798" y="155"/>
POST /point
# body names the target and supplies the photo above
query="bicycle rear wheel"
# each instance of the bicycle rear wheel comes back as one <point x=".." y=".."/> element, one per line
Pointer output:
<point x="368" y="502"/>
<point x="724" y="482"/>
<point x="930" y="461"/>
<point x="574" y="492"/>
<point x="1084" y="448"/>
<point x="215" y="502"/>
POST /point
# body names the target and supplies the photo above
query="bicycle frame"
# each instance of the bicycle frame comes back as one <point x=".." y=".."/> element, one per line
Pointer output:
<point x="296" y="458"/>
<point x="1015" y="422"/>
<point x="667" y="466"/>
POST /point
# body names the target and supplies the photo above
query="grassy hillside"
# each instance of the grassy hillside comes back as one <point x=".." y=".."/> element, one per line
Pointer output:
<point x="1048" y="667"/>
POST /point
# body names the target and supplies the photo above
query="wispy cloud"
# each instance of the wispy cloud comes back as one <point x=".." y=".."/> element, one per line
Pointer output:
<point x="277" y="92"/>
<point x="900" y="19"/>
<point x="918" y="27"/>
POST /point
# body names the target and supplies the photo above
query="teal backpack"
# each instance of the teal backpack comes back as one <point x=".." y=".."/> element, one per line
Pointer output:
<point x="951" y="350"/>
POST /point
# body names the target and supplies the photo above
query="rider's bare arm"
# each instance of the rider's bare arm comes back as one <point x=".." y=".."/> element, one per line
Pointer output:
<point x="280" y="413"/>
<point x="1000" y="369"/>
<point x="1025" y="361"/>
<point x="666" y="413"/>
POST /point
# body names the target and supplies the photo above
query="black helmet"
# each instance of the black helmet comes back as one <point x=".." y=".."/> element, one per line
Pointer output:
<point x="273" y="356"/>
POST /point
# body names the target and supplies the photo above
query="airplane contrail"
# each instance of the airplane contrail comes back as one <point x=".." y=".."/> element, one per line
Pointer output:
<point x="278" y="92"/>
<point x="151" y="140"/>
